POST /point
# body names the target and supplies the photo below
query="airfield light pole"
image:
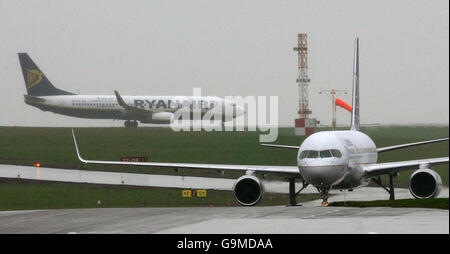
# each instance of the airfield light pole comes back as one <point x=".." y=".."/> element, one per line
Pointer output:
<point x="332" y="93"/>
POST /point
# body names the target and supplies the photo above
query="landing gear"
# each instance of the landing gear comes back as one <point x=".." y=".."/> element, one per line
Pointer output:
<point x="292" y="193"/>
<point x="324" y="194"/>
<point x="131" y="124"/>
<point x="391" y="189"/>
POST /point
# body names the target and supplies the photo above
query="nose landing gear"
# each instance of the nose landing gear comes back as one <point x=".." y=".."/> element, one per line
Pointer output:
<point x="324" y="194"/>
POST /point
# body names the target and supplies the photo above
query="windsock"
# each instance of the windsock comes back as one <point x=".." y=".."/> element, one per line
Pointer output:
<point x="344" y="105"/>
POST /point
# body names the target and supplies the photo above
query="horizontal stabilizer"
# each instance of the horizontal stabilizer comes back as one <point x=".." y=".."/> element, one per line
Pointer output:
<point x="33" y="100"/>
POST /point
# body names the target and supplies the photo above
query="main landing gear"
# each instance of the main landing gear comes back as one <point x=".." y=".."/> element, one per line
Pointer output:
<point x="390" y="190"/>
<point x="131" y="124"/>
<point x="292" y="193"/>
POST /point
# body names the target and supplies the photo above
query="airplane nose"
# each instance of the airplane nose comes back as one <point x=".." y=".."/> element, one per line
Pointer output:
<point x="322" y="175"/>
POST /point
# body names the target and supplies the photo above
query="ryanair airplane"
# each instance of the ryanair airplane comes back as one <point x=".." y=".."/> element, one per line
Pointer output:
<point x="145" y="109"/>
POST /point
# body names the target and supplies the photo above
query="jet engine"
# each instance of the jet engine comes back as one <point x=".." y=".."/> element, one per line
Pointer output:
<point x="248" y="190"/>
<point x="160" y="117"/>
<point x="425" y="183"/>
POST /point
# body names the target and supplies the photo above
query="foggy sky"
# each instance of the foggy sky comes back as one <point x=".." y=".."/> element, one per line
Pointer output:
<point x="231" y="48"/>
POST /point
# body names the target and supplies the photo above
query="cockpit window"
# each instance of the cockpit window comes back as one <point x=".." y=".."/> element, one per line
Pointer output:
<point x="303" y="154"/>
<point x="310" y="154"/>
<point x="336" y="153"/>
<point x="325" y="154"/>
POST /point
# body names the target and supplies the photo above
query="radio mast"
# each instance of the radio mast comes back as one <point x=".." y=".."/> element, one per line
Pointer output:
<point x="304" y="126"/>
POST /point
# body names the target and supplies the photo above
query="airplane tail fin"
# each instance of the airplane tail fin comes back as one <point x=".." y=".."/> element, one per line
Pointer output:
<point x="355" y="99"/>
<point x="36" y="82"/>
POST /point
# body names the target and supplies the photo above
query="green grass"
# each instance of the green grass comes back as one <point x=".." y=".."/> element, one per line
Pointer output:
<point x="53" y="147"/>
<point x="439" y="203"/>
<point x="18" y="194"/>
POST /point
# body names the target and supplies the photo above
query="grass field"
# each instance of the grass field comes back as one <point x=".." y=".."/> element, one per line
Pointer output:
<point x="28" y="195"/>
<point x="439" y="203"/>
<point x="53" y="147"/>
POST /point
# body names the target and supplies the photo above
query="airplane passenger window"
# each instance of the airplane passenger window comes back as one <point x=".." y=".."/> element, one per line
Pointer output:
<point x="313" y="154"/>
<point x="325" y="154"/>
<point x="336" y="153"/>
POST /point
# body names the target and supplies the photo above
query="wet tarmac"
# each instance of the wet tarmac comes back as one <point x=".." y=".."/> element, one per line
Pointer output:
<point x="309" y="218"/>
<point x="228" y="220"/>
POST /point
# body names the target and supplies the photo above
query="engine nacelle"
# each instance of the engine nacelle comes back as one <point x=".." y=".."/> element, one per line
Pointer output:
<point x="160" y="117"/>
<point x="248" y="190"/>
<point x="425" y="183"/>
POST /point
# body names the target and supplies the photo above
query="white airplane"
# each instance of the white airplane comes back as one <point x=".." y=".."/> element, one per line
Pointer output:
<point x="146" y="109"/>
<point x="330" y="159"/>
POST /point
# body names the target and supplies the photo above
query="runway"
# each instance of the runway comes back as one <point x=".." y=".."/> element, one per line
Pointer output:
<point x="228" y="220"/>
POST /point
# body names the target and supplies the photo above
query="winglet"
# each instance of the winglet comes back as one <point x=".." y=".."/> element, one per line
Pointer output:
<point x="76" y="148"/>
<point x="121" y="101"/>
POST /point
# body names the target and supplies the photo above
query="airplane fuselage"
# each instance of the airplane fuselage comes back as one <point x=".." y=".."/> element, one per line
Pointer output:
<point x="332" y="158"/>
<point x="107" y="106"/>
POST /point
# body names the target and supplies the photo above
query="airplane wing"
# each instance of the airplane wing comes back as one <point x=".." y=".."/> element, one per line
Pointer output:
<point x="291" y="171"/>
<point x="281" y="146"/>
<point x="376" y="169"/>
<point x="390" y="148"/>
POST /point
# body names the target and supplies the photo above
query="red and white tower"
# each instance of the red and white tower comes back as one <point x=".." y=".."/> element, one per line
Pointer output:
<point x="304" y="126"/>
